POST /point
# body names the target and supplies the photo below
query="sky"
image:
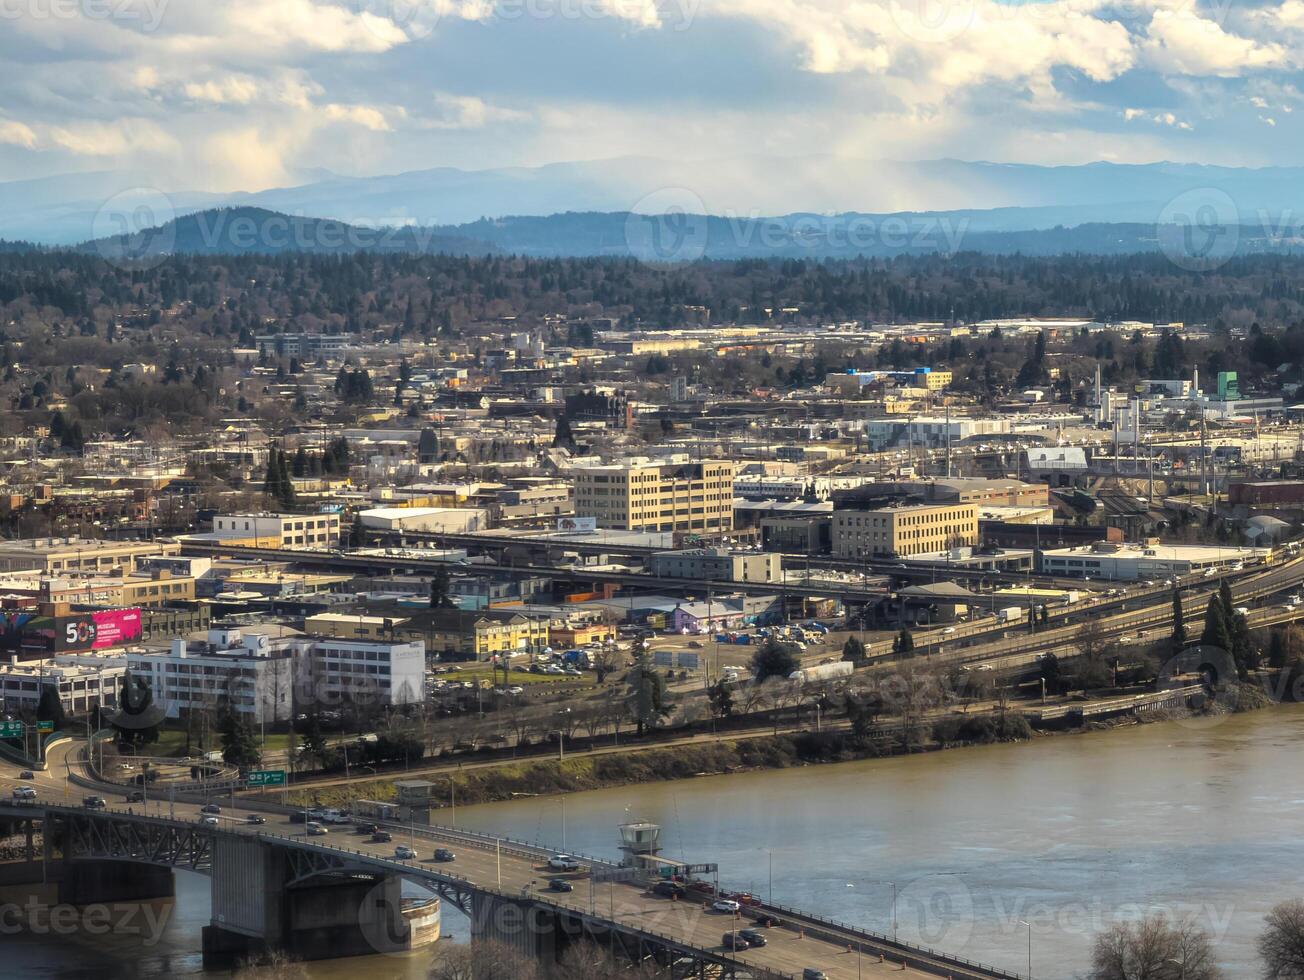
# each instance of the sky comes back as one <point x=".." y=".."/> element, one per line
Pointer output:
<point x="226" y="95"/>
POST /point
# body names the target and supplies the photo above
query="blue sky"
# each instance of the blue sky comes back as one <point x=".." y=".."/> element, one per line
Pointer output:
<point x="246" y="94"/>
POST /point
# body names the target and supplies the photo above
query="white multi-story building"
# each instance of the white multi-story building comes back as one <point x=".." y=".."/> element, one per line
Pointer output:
<point x="270" y="672"/>
<point x="930" y="431"/>
<point x="83" y="682"/>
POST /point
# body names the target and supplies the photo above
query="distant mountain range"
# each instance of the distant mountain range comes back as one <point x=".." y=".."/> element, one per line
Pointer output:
<point x="992" y="197"/>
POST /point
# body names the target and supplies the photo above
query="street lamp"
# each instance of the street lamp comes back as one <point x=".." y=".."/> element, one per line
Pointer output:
<point x="1024" y="922"/>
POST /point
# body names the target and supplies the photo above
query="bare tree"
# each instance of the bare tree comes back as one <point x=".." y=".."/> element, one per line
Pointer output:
<point x="271" y="966"/>
<point x="483" y="961"/>
<point x="1154" y="949"/>
<point x="1281" y="944"/>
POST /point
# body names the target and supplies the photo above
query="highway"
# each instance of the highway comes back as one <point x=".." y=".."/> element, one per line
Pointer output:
<point x="841" y="954"/>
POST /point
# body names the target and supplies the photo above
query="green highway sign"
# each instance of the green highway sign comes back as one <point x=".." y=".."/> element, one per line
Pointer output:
<point x="11" y="729"/>
<point x="45" y="727"/>
<point x="267" y="777"/>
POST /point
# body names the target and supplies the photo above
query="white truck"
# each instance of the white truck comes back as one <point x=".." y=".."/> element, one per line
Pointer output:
<point x="822" y="672"/>
<point x="1010" y="614"/>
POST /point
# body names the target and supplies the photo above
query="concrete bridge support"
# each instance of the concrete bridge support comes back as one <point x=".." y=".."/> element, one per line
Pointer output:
<point x="259" y="905"/>
<point x="111" y="882"/>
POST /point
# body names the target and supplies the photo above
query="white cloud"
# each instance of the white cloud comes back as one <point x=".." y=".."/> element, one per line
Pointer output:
<point x="17" y="134"/>
<point x="1182" y="43"/>
<point x="468" y="112"/>
<point x="1161" y="118"/>
<point x="368" y="117"/>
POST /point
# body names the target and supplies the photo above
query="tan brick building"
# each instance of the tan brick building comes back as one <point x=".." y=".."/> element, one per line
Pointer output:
<point x="658" y="496"/>
<point x="904" y="530"/>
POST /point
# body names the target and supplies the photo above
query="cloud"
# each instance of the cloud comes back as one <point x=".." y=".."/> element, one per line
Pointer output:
<point x="17" y="134"/>
<point x="1182" y="43"/>
<point x="468" y="112"/>
<point x="1162" y="118"/>
<point x="368" y="117"/>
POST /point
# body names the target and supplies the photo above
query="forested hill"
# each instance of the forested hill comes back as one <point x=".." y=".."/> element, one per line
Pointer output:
<point x="428" y="294"/>
<point x="257" y="231"/>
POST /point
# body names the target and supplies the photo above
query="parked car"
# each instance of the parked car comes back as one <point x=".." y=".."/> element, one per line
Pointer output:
<point x="754" y="937"/>
<point x="316" y="829"/>
<point x="443" y="855"/>
<point x="405" y="853"/>
<point x="563" y="862"/>
<point x="668" y="889"/>
<point x="734" y="941"/>
<point x="255" y="819"/>
<point x="560" y="885"/>
<point x="381" y="837"/>
<point x="726" y="905"/>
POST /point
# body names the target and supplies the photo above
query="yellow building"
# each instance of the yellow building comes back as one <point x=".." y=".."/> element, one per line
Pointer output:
<point x="477" y="634"/>
<point x="934" y="380"/>
<point x="658" y="496"/>
<point x="903" y="530"/>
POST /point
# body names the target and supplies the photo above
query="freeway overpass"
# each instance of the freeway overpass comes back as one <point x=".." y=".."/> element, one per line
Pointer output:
<point x="275" y="887"/>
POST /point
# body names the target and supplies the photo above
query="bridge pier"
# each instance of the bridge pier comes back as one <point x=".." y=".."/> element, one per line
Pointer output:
<point x="261" y="902"/>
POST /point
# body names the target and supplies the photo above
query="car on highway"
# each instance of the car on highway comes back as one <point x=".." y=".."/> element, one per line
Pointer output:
<point x="381" y="837"/>
<point x="734" y="941"/>
<point x="810" y="973"/>
<point x="560" y="885"/>
<point x="948" y="631"/>
<point x="405" y="853"/>
<point x="669" y="889"/>
<point x="516" y="690"/>
<point x="367" y="828"/>
<point x="26" y="774"/>
<point x="726" y="905"/>
<point x="255" y="819"/>
<point x="136" y="797"/>
<point x="24" y="793"/>
<point x="754" y="937"/>
<point x="213" y="809"/>
<point x="315" y="829"/>
<point x="208" y="820"/>
<point x="563" y="862"/>
<point x="443" y="855"/>
<point x="94" y="803"/>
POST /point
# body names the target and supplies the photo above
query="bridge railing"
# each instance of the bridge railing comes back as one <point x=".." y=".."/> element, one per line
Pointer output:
<point x="906" y="950"/>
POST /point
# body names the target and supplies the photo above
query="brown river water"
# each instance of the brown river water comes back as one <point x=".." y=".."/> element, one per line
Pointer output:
<point x="1065" y="835"/>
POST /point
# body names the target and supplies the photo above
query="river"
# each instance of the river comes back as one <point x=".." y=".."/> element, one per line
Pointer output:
<point x="1061" y="837"/>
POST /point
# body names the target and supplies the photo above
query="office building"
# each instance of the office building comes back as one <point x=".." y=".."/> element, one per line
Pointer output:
<point x="902" y="530"/>
<point x="657" y="496"/>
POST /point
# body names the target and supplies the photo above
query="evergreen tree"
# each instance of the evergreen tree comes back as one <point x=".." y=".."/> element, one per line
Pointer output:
<point x="1215" y="627"/>
<point x="564" y="438"/>
<point x="439" y="591"/>
<point x="239" y="738"/>
<point x="853" y="650"/>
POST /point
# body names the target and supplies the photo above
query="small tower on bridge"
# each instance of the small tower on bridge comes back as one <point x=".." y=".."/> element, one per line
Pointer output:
<point x="639" y="839"/>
